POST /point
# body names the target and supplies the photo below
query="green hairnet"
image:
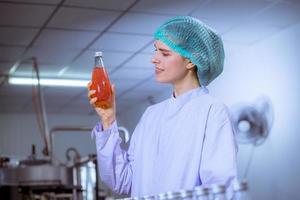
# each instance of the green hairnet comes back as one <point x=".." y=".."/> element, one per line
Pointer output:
<point x="195" y="41"/>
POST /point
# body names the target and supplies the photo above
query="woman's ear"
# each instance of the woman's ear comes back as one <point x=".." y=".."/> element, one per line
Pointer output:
<point x="190" y="65"/>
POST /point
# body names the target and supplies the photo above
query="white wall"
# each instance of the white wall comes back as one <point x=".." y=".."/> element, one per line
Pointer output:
<point x="272" y="68"/>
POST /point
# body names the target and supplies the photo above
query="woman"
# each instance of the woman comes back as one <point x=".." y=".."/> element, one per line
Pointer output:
<point x="184" y="141"/>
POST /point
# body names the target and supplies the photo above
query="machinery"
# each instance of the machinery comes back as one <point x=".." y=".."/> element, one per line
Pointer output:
<point x="37" y="179"/>
<point x="50" y="178"/>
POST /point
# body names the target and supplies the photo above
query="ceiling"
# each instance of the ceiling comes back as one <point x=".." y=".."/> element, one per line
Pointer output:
<point x="64" y="34"/>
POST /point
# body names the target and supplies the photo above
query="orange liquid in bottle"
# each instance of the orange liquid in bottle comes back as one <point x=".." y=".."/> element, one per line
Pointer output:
<point x="101" y="83"/>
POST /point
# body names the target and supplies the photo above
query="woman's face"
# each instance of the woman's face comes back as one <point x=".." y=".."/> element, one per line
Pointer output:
<point x="170" y="67"/>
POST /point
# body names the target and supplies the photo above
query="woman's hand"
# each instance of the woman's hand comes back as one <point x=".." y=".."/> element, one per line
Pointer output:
<point x="107" y="116"/>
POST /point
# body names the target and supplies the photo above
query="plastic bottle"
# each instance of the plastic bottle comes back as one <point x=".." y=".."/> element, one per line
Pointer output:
<point x="218" y="192"/>
<point x="162" y="196"/>
<point x="186" y="194"/>
<point x="148" y="197"/>
<point x="173" y="195"/>
<point x="101" y="83"/>
<point x="241" y="191"/>
<point x="200" y="193"/>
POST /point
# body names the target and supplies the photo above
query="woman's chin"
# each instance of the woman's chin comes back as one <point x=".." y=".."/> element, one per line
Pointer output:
<point x="160" y="79"/>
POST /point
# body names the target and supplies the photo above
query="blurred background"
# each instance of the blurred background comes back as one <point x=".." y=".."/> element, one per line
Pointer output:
<point x="261" y="41"/>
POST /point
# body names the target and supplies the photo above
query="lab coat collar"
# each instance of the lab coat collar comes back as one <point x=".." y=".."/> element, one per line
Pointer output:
<point x="176" y="103"/>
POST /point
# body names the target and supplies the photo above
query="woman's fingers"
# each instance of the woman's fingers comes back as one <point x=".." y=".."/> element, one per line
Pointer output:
<point x="93" y="100"/>
<point x="89" y="84"/>
<point x="91" y="92"/>
<point x="101" y="111"/>
<point x="113" y="89"/>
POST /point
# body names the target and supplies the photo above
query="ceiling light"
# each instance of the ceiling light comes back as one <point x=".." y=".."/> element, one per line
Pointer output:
<point x="48" y="82"/>
<point x="62" y="71"/>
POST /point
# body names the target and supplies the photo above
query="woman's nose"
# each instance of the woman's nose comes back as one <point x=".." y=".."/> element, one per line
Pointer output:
<point x="154" y="59"/>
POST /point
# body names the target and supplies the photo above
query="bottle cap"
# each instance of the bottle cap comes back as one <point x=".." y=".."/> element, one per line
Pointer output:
<point x="240" y="186"/>
<point x="98" y="53"/>
<point x="218" y="189"/>
<point x="186" y="193"/>
<point x="162" y="196"/>
<point x="173" y="195"/>
<point x="148" y="197"/>
<point x="200" y="191"/>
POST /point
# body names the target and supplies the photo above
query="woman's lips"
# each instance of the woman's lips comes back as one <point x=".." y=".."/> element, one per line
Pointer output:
<point x="158" y="70"/>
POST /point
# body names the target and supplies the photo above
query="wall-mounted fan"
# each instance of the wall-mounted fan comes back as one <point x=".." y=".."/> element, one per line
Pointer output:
<point x="252" y="122"/>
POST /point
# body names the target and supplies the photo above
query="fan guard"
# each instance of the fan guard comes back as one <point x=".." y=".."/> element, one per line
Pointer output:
<point x="252" y="122"/>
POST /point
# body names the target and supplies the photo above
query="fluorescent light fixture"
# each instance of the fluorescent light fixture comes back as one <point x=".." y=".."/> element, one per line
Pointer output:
<point x="62" y="71"/>
<point x="48" y="82"/>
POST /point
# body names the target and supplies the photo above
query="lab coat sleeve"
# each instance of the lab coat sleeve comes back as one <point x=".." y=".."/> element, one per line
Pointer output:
<point x="218" y="162"/>
<point x="115" y="164"/>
